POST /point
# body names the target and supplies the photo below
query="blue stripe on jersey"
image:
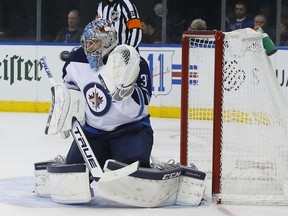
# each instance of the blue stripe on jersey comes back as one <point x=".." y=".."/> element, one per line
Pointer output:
<point x="72" y="85"/>
<point x="142" y="103"/>
<point x="145" y="121"/>
<point x="147" y="96"/>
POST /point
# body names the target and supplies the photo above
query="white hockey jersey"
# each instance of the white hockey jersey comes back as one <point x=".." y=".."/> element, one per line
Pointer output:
<point x="103" y="114"/>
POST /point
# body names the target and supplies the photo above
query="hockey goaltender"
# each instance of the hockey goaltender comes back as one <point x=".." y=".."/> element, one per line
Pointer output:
<point x="103" y="103"/>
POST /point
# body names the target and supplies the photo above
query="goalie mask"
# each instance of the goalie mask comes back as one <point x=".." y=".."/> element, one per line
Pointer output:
<point x="99" y="38"/>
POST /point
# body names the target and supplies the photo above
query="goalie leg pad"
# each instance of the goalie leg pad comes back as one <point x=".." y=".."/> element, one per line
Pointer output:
<point x="147" y="187"/>
<point x="66" y="104"/>
<point x="41" y="179"/>
<point x="69" y="183"/>
<point x="191" y="187"/>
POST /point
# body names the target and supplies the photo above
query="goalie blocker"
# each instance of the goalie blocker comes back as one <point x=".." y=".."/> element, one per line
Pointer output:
<point x="66" y="104"/>
<point x="147" y="187"/>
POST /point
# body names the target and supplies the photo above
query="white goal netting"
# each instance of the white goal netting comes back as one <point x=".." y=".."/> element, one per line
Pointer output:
<point x="254" y="136"/>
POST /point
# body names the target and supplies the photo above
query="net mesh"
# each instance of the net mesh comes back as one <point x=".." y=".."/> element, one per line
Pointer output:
<point x="254" y="151"/>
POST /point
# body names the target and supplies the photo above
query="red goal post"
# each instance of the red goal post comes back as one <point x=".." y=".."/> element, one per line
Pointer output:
<point x="234" y="117"/>
<point x="217" y="99"/>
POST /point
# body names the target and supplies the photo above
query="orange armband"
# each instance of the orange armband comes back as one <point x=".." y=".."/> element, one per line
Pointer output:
<point x="133" y="23"/>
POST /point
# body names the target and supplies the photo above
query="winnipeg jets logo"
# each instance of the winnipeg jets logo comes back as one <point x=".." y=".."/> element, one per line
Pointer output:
<point x="114" y="16"/>
<point x="98" y="100"/>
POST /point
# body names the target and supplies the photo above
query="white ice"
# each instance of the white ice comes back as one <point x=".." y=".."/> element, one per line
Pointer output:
<point x="23" y="142"/>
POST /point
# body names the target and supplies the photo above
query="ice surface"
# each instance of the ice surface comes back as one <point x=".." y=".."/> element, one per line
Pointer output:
<point x="23" y="142"/>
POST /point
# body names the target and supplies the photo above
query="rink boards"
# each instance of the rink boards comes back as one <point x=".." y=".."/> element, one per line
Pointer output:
<point x="24" y="86"/>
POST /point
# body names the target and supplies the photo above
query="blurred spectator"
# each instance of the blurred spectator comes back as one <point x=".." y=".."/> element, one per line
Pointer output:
<point x="158" y="10"/>
<point x="241" y="19"/>
<point x="198" y="24"/>
<point x="284" y="32"/>
<point x="72" y="33"/>
<point x="260" y="20"/>
<point x="150" y="33"/>
<point x="230" y="14"/>
<point x="175" y="23"/>
<point x="266" y="10"/>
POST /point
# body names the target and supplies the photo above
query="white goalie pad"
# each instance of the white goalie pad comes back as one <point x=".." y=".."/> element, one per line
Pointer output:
<point x="69" y="183"/>
<point x="161" y="185"/>
<point x="191" y="187"/>
<point x="147" y="187"/>
<point x="121" y="71"/>
<point x="41" y="179"/>
<point x="66" y="104"/>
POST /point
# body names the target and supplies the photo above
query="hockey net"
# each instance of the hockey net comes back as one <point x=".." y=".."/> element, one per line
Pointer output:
<point x="234" y="117"/>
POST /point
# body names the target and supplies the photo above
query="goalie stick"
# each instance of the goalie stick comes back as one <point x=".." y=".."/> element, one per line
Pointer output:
<point x="85" y="148"/>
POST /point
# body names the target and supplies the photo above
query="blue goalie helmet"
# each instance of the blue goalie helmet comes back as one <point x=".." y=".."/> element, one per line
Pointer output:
<point x="99" y="38"/>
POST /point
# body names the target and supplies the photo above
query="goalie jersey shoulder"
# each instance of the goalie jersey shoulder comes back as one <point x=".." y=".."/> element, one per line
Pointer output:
<point x="78" y="55"/>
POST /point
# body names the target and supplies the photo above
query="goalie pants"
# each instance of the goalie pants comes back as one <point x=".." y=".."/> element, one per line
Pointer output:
<point x="127" y="147"/>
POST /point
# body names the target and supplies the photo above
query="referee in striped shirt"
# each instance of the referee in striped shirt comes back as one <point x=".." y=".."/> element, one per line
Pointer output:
<point x="124" y="15"/>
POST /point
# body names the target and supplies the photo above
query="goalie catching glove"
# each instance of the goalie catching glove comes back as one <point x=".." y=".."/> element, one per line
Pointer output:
<point x="121" y="71"/>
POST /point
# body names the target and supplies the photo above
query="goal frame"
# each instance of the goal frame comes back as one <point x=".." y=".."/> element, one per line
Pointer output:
<point x="217" y="106"/>
<point x="234" y="120"/>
